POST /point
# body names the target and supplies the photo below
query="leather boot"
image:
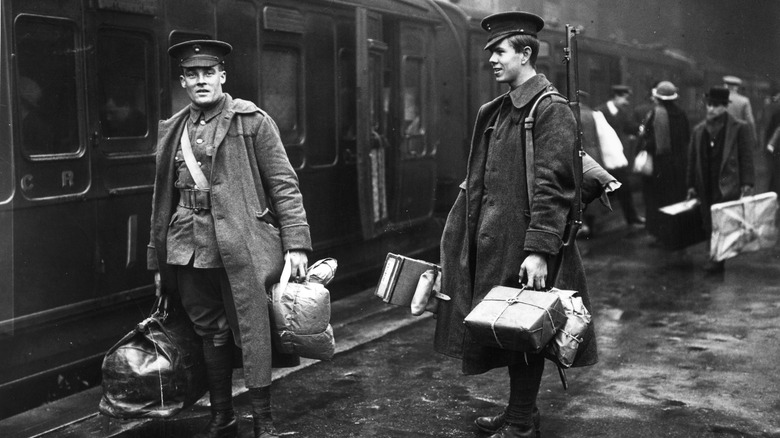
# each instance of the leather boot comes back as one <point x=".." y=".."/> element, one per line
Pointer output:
<point x="262" y="415"/>
<point x="511" y="430"/>
<point x="494" y="423"/>
<point x="223" y="424"/>
<point x="490" y="424"/>
<point x="219" y="372"/>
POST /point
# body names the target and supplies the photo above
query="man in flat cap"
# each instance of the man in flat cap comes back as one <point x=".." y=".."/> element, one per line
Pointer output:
<point x="226" y="212"/>
<point x="739" y="105"/>
<point x="720" y="160"/>
<point x="496" y="234"/>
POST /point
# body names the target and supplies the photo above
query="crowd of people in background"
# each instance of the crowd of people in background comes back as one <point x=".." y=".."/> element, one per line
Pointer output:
<point x="675" y="159"/>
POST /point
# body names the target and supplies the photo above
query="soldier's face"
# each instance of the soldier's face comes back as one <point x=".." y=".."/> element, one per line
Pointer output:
<point x="507" y="63"/>
<point x="203" y="85"/>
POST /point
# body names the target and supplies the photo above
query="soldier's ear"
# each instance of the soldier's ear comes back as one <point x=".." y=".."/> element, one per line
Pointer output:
<point x="183" y="83"/>
<point x="222" y="77"/>
<point x="526" y="52"/>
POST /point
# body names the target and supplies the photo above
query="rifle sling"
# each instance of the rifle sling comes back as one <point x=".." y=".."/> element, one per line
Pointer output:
<point x="530" y="174"/>
<point x="530" y="170"/>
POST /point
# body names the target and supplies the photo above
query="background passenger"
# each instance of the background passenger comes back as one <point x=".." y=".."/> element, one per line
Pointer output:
<point x="664" y="134"/>
<point x="720" y="161"/>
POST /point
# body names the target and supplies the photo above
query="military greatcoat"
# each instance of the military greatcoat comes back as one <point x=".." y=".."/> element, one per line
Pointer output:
<point x="258" y="214"/>
<point x="492" y="227"/>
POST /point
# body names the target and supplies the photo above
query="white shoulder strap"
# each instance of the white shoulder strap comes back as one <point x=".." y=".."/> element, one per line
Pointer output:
<point x="201" y="182"/>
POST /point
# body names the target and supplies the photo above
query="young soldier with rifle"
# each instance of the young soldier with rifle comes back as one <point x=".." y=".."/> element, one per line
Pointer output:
<point x="509" y="222"/>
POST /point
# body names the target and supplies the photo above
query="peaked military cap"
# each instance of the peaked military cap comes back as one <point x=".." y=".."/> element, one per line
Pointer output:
<point x="504" y="24"/>
<point x="200" y="53"/>
<point x="732" y="80"/>
<point x="718" y="96"/>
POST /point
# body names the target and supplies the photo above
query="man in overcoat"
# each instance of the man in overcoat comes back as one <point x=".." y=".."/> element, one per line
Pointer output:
<point x="619" y="115"/>
<point x="219" y="240"/>
<point x="739" y="106"/>
<point x="720" y="160"/>
<point x="495" y="235"/>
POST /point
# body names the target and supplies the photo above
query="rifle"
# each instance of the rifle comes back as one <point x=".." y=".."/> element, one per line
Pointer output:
<point x="572" y="94"/>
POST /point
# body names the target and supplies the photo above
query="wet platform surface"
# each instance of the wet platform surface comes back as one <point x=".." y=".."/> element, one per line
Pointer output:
<point x="682" y="354"/>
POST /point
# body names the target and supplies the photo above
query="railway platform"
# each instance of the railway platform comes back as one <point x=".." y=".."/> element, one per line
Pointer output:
<point x="682" y="354"/>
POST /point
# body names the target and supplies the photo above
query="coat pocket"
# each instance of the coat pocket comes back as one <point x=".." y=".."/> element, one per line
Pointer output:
<point x="174" y="218"/>
<point x="267" y="216"/>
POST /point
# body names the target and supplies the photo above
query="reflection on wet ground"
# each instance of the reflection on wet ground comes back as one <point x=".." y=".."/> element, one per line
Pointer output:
<point x="682" y="354"/>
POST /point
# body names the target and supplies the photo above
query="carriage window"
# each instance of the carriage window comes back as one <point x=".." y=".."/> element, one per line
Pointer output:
<point x="544" y="50"/>
<point x="347" y="105"/>
<point x="236" y="20"/>
<point x="123" y="89"/>
<point x="47" y="92"/>
<point x="280" y="93"/>
<point x="412" y="97"/>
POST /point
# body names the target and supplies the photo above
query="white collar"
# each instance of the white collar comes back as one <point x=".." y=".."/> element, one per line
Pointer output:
<point x="613" y="109"/>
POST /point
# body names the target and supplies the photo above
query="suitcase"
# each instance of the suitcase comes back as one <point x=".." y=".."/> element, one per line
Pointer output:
<point x="399" y="279"/>
<point x="744" y="225"/>
<point x="516" y="319"/>
<point x="680" y="225"/>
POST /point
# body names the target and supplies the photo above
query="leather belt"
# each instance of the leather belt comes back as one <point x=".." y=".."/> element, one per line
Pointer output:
<point x="195" y="199"/>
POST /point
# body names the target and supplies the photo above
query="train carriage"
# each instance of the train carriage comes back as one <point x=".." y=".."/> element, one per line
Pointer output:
<point x="350" y="85"/>
<point x="375" y="101"/>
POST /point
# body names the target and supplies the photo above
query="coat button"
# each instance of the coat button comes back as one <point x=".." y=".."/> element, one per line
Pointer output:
<point x="202" y="122"/>
<point x="199" y="141"/>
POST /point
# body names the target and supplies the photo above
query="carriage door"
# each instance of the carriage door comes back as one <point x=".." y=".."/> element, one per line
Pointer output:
<point x="123" y="114"/>
<point x="414" y="165"/>
<point x="373" y="104"/>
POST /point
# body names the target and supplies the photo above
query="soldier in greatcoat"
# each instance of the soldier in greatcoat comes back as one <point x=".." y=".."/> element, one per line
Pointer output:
<point x="495" y="235"/>
<point x="221" y="243"/>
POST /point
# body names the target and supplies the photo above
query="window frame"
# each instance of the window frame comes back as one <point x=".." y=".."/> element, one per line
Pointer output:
<point x="79" y="84"/>
<point x="113" y="145"/>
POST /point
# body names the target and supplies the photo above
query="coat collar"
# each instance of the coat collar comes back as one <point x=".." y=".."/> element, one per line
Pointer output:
<point x="730" y="140"/>
<point x="231" y="107"/>
<point x="171" y="129"/>
<point x="528" y="90"/>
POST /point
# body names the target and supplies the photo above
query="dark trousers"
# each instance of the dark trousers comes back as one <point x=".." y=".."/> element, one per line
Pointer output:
<point x="206" y="297"/>
<point x="624" y="194"/>
<point x="525" y="378"/>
